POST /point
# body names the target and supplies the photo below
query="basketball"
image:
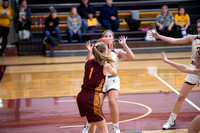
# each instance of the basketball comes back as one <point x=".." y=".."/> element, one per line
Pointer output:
<point x="107" y="41"/>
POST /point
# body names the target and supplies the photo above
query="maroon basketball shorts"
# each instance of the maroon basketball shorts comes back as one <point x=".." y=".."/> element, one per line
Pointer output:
<point x="88" y="104"/>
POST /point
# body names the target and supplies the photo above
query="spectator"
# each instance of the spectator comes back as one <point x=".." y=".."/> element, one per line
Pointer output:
<point x="6" y="15"/>
<point x="109" y="16"/>
<point x="152" y="27"/>
<point x="74" y="24"/>
<point x="182" y="21"/>
<point x="24" y="20"/>
<point x="51" y="24"/>
<point x="165" y="22"/>
<point x="87" y="12"/>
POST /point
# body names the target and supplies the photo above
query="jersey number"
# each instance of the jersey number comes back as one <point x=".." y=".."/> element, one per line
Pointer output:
<point x="91" y="70"/>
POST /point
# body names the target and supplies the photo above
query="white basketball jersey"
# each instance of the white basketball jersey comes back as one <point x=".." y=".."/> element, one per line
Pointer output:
<point x="195" y="46"/>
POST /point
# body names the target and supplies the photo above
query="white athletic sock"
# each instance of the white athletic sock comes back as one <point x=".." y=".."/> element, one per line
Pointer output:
<point x="116" y="125"/>
<point x="87" y="125"/>
<point x="173" y="116"/>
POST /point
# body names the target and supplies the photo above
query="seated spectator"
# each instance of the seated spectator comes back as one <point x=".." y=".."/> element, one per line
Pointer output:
<point x="51" y="24"/>
<point x="152" y="27"/>
<point x="87" y="12"/>
<point x="74" y="24"/>
<point x="182" y="22"/>
<point x="24" y="19"/>
<point x="109" y="16"/>
<point x="6" y="16"/>
<point x="165" y="22"/>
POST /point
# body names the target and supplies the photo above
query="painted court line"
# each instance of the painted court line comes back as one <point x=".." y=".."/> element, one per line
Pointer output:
<point x="149" y="110"/>
<point x="187" y="100"/>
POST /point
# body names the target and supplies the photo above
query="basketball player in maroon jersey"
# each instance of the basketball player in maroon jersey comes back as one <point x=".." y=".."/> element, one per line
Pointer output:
<point x="94" y="78"/>
<point x="112" y="84"/>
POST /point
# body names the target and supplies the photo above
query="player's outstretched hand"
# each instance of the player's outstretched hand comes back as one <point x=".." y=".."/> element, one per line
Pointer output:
<point x="153" y="34"/>
<point x="89" y="46"/>
<point x="164" y="57"/>
<point x="122" y="40"/>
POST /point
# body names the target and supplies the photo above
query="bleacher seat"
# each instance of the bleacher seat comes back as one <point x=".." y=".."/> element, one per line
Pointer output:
<point x="148" y="11"/>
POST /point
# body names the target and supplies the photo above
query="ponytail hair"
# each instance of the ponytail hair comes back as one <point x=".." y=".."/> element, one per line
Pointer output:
<point x="99" y="57"/>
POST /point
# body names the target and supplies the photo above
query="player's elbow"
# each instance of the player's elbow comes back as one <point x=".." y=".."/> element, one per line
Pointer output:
<point x="131" y="58"/>
<point x="185" y="70"/>
<point x="114" y="72"/>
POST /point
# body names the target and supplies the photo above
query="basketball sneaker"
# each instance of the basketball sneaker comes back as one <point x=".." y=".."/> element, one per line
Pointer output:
<point x="116" y="129"/>
<point x="85" y="129"/>
<point x="170" y="123"/>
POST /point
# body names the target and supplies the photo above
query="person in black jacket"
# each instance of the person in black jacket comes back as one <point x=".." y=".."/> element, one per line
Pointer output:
<point x="86" y="11"/>
<point x="109" y="16"/>
<point x="24" y="19"/>
<point x="51" y="24"/>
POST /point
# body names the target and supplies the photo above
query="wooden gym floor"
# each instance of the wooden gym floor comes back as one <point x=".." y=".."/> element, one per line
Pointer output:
<point x="39" y="93"/>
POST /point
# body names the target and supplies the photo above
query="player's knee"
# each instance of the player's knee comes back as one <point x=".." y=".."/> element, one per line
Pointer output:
<point x="112" y="103"/>
<point x="181" y="98"/>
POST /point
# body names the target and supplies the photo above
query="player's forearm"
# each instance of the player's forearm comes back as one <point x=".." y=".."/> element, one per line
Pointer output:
<point x="129" y="53"/>
<point x="167" y="39"/>
<point x="113" y="69"/>
<point x="181" y="67"/>
<point x="89" y="55"/>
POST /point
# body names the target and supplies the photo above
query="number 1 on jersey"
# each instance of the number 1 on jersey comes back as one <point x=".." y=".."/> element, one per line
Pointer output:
<point x="91" y="70"/>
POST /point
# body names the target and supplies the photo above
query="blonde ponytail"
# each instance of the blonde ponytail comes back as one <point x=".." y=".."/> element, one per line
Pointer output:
<point x="98" y="50"/>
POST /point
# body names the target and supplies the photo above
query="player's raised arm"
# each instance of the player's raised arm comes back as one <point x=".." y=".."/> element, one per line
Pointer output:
<point x="180" y="67"/>
<point x="185" y="40"/>
<point x="89" y="48"/>
<point x="126" y="55"/>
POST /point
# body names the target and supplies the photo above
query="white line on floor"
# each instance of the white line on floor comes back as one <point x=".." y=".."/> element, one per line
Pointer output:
<point x="187" y="100"/>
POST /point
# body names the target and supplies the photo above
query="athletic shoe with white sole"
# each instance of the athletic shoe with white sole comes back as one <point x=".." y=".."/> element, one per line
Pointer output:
<point x="169" y="124"/>
<point x="116" y="130"/>
<point x="85" y="129"/>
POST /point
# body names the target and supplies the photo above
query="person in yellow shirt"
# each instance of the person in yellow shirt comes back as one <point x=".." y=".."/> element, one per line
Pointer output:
<point x="182" y="22"/>
<point x="6" y="15"/>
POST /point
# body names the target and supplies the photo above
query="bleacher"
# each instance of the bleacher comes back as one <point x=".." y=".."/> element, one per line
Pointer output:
<point x="148" y="12"/>
<point x="146" y="17"/>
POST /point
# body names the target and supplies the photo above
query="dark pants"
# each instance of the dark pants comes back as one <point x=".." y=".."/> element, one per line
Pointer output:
<point x="179" y="33"/>
<point x="165" y="31"/>
<point x="4" y="34"/>
<point x="25" y="25"/>
<point x="57" y="30"/>
<point x="109" y="24"/>
<point x="71" y="34"/>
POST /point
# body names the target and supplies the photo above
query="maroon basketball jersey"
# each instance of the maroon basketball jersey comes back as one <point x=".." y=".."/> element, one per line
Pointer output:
<point x="94" y="77"/>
